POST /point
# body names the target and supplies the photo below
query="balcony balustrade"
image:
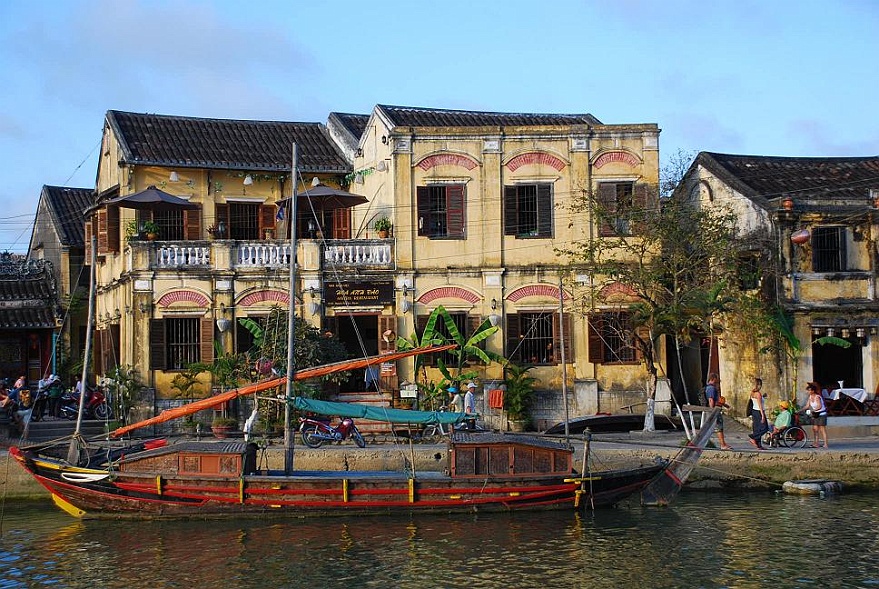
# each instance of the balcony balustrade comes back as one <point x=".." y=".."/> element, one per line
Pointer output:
<point x="255" y="255"/>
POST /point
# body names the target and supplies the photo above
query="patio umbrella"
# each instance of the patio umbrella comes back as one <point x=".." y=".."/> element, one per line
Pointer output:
<point x="325" y="198"/>
<point x="152" y="199"/>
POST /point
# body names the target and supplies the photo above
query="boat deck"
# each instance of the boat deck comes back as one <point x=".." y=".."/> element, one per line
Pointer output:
<point x="348" y="474"/>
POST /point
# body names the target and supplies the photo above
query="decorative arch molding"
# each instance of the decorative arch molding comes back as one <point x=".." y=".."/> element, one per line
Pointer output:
<point x="448" y="292"/>
<point x="617" y="291"/>
<point x="535" y="157"/>
<point x="616" y="156"/>
<point x="536" y="290"/>
<point x="184" y="296"/>
<point x="262" y="296"/>
<point x="447" y="159"/>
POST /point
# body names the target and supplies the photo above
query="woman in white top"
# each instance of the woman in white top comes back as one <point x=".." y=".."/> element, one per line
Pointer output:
<point x="818" y="410"/>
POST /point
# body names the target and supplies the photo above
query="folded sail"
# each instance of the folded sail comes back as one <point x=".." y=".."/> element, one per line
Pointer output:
<point x="267" y="385"/>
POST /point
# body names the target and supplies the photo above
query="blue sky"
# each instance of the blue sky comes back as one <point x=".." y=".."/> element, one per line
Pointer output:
<point x="780" y="77"/>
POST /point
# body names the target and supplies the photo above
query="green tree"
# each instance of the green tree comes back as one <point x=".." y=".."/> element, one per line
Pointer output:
<point x="678" y="262"/>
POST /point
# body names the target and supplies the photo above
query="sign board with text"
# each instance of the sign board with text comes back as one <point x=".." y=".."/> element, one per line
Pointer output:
<point x="355" y="293"/>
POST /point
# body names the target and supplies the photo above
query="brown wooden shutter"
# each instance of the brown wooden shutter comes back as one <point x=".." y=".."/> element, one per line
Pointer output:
<point x="222" y="213"/>
<point x="266" y="218"/>
<point x="544" y="210"/>
<point x="192" y="224"/>
<point x="455" y="207"/>
<point x="102" y="231"/>
<point x="158" y="357"/>
<point x="596" y="344"/>
<point x="513" y="330"/>
<point x="114" y="341"/>
<point x="386" y="322"/>
<point x="113" y="229"/>
<point x="206" y="344"/>
<point x="607" y="201"/>
<point x="511" y="210"/>
<point x="88" y="242"/>
<point x="341" y="224"/>
<point x="423" y="202"/>
<point x="557" y="343"/>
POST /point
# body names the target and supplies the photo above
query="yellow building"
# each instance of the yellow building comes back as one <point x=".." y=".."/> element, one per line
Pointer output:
<point x="809" y="225"/>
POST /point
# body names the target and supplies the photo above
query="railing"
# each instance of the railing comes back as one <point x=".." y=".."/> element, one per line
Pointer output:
<point x="176" y="255"/>
<point x="262" y="254"/>
<point x="362" y="253"/>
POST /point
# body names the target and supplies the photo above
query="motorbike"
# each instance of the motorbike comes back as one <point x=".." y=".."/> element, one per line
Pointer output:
<point x="315" y="432"/>
<point x="96" y="405"/>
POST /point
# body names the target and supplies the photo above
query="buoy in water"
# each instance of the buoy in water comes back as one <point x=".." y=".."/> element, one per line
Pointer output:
<point x="813" y="487"/>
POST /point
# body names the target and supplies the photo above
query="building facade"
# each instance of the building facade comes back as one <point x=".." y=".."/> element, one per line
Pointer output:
<point x="809" y="225"/>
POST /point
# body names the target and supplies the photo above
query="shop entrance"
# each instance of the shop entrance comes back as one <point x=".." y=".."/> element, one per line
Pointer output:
<point x="359" y="334"/>
<point x="835" y="363"/>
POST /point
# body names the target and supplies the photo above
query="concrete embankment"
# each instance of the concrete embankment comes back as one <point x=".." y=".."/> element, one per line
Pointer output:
<point x="855" y="462"/>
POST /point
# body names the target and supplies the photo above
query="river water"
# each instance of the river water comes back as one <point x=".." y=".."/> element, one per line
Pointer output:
<point x="703" y="540"/>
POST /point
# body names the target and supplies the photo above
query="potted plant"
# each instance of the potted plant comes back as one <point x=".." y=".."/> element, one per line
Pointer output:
<point x="131" y="232"/>
<point x="383" y="227"/>
<point x="150" y="229"/>
<point x="519" y="395"/>
<point x="222" y="426"/>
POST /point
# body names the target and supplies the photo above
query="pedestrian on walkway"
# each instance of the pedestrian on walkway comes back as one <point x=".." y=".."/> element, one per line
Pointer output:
<point x="715" y="399"/>
<point x="817" y="410"/>
<point x="759" y="425"/>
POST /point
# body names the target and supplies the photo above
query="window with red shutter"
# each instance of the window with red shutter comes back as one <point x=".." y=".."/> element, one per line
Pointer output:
<point x="528" y="210"/>
<point x="441" y="211"/>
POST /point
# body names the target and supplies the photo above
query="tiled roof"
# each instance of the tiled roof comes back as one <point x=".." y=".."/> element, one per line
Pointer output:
<point x="435" y="117"/>
<point x="27" y="293"/>
<point x="67" y="206"/>
<point x="187" y="142"/>
<point x="774" y="177"/>
<point x="354" y="124"/>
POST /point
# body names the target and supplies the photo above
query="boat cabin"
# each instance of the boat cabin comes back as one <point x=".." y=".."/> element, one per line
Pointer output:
<point x="500" y="455"/>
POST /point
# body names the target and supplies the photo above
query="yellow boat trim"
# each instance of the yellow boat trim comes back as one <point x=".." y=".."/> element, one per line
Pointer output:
<point x="345" y="490"/>
<point x="241" y="491"/>
<point x="68" y="507"/>
<point x="582" y="479"/>
<point x="411" y="490"/>
<point x="514" y="493"/>
<point x="159" y="485"/>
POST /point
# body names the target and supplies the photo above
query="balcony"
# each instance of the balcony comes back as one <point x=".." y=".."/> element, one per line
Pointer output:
<point x="359" y="253"/>
<point x="250" y="256"/>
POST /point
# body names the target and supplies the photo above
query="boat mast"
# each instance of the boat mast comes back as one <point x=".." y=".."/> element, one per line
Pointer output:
<point x="563" y="359"/>
<point x="291" y="324"/>
<point x="73" y="449"/>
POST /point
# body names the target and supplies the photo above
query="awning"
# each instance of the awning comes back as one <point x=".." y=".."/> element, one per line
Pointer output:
<point x="325" y="198"/>
<point x="151" y="199"/>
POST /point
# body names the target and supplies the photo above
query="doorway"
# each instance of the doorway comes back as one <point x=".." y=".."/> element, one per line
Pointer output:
<point x="359" y="334"/>
<point x="832" y="363"/>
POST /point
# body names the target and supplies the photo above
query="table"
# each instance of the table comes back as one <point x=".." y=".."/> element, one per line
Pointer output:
<point x="859" y="395"/>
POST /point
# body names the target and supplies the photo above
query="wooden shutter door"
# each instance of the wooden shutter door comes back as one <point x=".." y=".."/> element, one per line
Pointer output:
<point x="206" y="345"/>
<point x="557" y="341"/>
<point x="423" y="202"/>
<point x="192" y="224"/>
<point x="157" y="344"/>
<point x="607" y="202"/>
<point x="511" y="210"/>
<point x="639" y="204"/>
<point x="596" y="345"/>
<point x="98" y="352"/>
<point x="544" y="210"/>
<point x="341" y="224"/>
<point x="455" y="207"/>
<point x="88" y="242"/>
<point x="112" y="229"/>
<point x="266" y="218"/>
<point x="385" y="323"/>
<point x="513" y="330"/>
<point x="102" y="231"/>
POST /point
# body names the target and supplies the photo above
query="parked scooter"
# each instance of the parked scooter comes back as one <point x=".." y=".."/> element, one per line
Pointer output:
<point x="315" y="432"/>
<point x="96" y="406"/>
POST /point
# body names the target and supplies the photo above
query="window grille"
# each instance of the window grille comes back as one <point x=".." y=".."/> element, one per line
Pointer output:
<point x="182" y="340"/>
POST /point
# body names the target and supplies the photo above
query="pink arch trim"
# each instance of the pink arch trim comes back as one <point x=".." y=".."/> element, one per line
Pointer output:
<point x="186" y="296"/>
<point x="536" y="290"/>
<point x="448" y="159"/>
<point x="617" y="289"/>
<point x="535" y="157"/>
<point x="448" y="292"/>
<point x="262" y="296"/>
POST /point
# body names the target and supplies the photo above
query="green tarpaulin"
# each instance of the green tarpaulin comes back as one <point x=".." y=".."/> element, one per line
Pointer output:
<point x="377" y="413"/>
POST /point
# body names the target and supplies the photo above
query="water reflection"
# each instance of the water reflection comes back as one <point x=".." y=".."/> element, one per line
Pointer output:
<point x="703" y="541"/>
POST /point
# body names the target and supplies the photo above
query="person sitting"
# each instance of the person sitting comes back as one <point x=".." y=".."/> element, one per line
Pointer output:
<point x="783" y="420"/>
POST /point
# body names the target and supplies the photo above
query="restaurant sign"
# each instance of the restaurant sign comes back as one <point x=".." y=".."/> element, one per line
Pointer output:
<point x="350" y="293"/>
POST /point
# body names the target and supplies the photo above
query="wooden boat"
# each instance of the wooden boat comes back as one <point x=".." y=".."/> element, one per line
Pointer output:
<point x="613" y="423"/>
<point x="488" y="472"/>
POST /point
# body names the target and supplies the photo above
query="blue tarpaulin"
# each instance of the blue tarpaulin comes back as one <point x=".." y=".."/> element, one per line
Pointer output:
<point x="377" y="413"/>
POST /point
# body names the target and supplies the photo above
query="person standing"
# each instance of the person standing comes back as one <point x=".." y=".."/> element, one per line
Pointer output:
<point x="816" y="407"/>
<point x="470" y="405"/>
<point x="759" y="426"/>
<point x="714" y="399"/>
<point x="456" y="403"/>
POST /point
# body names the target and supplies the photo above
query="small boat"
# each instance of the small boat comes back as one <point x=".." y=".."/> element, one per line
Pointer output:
<point x="613" y="423"/>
